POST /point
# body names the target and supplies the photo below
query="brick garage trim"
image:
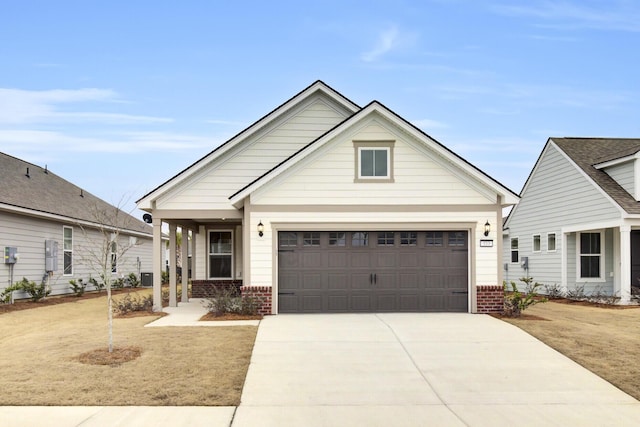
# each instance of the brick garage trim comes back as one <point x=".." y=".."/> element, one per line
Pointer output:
<point x="263" y="293"/>
<point x="490" y="299"/>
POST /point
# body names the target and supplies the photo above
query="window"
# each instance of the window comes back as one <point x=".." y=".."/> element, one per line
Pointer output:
<point x="590" y="245"/>
<point x="288" y="239"/>
<point x="360" y="238"/>
<point x="374" y="161"/>
<point x="551" y="242"/>
<point x="311" y="239"/>
<point x="434" y="238"/>
<point x="220" y="254"/>
<point x="536" y="243"/>
<point x="408" y="238"/>
<point x="457" y="238"/>
<point x="385" y="238"/>
<point x="67" y="250"/>
<point x="515" y="257"/>
<point x="337" y="238"/>
<point x="114" y="257"/>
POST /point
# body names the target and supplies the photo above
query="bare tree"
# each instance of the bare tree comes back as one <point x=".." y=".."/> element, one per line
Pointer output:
<point x="105" y="247"/>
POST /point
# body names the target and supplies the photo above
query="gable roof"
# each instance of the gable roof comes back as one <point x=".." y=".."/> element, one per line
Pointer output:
<point x="375" y="106"/>
<point x="317" y="86"/>
<point x="37" y="191"/>
<point x="588" y="152"/>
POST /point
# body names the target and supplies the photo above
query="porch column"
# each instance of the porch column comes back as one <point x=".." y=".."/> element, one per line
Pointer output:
<point x="185" y="265"/>
<point x="194" y="245"/>
<point x="157" y="263"/>
<point x="564" y="251"/>
<point x="625" y="265"/>
<point x="173" y="286"/>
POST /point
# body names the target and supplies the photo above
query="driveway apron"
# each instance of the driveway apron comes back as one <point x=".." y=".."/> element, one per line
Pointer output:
<point x="418" y="369"/>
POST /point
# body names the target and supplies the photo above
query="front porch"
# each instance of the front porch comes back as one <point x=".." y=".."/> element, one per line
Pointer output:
<point x="602" y="259"/>
<point x="214" y="254"/>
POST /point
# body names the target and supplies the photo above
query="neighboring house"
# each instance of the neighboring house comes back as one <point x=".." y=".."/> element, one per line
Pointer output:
<point x="325" y="206"/>
<point x="41" y="212"/>
<point x="578" y="223"/>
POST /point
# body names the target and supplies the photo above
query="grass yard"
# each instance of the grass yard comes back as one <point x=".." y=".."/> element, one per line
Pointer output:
<point x="178" y="366"/>
<point x="604" y="340"/>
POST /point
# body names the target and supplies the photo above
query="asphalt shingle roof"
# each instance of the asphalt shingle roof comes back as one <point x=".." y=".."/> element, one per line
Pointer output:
<point x="44" y="191"/>
<point x="587" y="152"/>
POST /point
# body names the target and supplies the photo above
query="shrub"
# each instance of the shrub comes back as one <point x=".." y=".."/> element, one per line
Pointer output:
<point x="226" y="300"/>
<point x="77" y="287"/>
<point x="515" y="302"/>
<point x="128" y="304"/>
<point x="133" y="280"/>
<point x="118" y="283"/>
<point x="5" y="296"/>
<point x="577" y="293"/>
<point x="600" y="296"/>
<point x="164" y="276"/>
<point x="36" y="292"/>
<point x="553" y="291"/>
<point x="97" y="285"/>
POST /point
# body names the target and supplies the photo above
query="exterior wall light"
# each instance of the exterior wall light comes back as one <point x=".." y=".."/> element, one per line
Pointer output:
<point x="487" y="228"/>
<point x="260" y="229"/>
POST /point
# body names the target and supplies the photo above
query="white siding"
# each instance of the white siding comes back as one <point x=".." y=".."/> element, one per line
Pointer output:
<point x="326" y="177"/>
<point x="624" y="175"/>
<point x="213" y="186"/>
<point x="557" y="195"/>
<point x="28" y="234"/>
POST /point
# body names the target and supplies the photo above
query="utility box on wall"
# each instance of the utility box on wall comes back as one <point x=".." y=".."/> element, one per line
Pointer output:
<point x="50" y="255"/>
<point x="10" y="255"/>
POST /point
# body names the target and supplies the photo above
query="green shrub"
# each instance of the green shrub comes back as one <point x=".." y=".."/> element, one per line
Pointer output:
<point x="77" y="287"/>
<point x="133" y="280"/>
<point x="118" y="283"/>
<point x="36" y="292"/>
<point x="128" y="304"/>
<point x="164" y="276"/>
<point x="5" y="296"/>
<point x="515" y="302"/>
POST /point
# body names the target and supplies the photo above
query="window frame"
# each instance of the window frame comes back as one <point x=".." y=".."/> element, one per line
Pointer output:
<point x="516" y="250"/>
<point x="555" y="242"/>
<point x="230" y="254"/>
<point x="65" y="250"/>
<point x="579" y="255"/>
<point x="533" y="243"/>
<point x="360" y="146"/>
<point x="113" y="255"/>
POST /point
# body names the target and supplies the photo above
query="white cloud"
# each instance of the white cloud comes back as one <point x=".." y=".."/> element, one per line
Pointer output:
<point x="24" y="106"/>
<point x="35" y="141"/>
<point x="387" y="40"/>
<point x="613" y="15"/>
<point x="427" y="124"/>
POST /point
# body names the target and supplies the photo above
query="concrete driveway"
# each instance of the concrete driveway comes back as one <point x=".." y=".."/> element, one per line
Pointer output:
<point x="416" y="370"/>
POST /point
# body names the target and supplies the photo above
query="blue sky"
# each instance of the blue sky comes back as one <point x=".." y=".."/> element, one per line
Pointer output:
<point x="119" y="96"/>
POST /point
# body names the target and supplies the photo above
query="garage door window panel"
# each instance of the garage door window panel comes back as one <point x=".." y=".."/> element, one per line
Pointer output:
<point x="360" y="238"/>
<point x="386" y="238"/>
<point x="434" y="238"/>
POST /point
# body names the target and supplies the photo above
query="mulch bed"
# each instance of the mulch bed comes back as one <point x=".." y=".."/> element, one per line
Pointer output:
<point x="27" y="304"/>
<point x="230" y="316"/>
<point x="118" y="356"/>
<point x="523" y="316"/>
<point x="594" y="304"/>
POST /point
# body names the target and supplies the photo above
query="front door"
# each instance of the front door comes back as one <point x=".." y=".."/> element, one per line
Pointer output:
<point x="635" y="259"/>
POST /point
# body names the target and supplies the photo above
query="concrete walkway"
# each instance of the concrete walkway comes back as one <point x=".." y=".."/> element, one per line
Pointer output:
<point x="189" y="313"/>
<point x="386" y="370"/>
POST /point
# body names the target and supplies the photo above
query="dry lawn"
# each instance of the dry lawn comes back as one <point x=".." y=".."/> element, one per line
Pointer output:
<point x="604" y="340"/>
<point x="39" y="362"/>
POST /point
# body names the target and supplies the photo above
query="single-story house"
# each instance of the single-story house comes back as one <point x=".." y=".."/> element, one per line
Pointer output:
<point x="325" y="206"/>
<point x="578" y="223"/>
<point x="51" y="231"/>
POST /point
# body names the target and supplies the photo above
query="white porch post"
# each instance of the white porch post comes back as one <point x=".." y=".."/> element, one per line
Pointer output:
<point x="564" y="251"/>
<point x="625" y="265"/>
<point x="194" y="245"/>
<point x="157" y="263"/>
<point x="185" y="265"/>
<point x="173" y="286"/>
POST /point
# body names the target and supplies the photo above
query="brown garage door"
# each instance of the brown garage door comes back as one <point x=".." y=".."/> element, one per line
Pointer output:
<point x="360" y="271"/>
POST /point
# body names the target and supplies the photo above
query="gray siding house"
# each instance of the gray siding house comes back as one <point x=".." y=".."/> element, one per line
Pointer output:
<point x="578" y="222"/>
<point x="54" y="226"/>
